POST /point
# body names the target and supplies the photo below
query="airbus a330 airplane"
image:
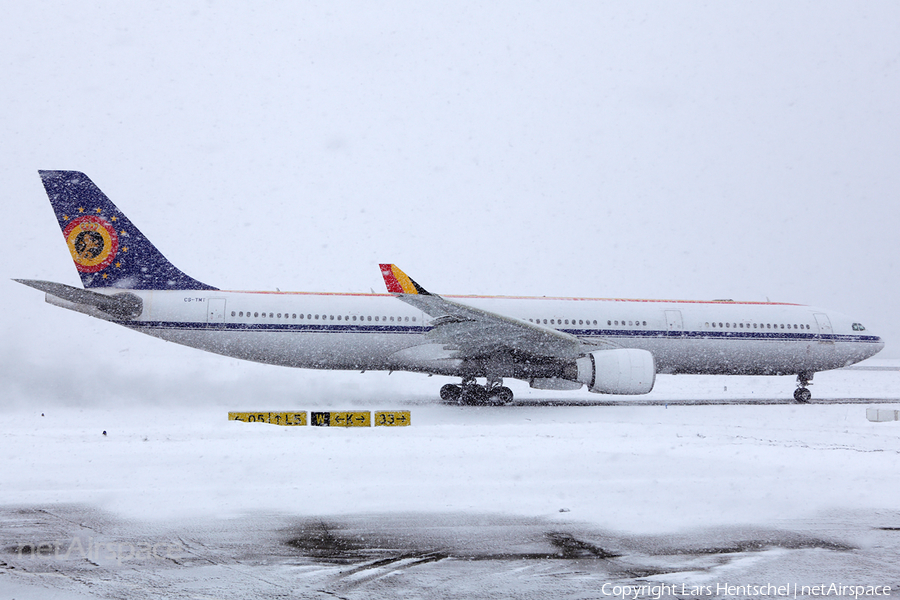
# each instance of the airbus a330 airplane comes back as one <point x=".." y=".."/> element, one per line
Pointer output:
<point x="611" y="346"/>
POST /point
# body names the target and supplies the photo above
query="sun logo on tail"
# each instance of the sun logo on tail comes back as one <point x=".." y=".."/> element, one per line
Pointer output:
<point x="93" y="243"/>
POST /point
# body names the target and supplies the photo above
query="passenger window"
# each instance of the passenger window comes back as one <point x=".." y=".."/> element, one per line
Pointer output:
<point x="256" y="314"/>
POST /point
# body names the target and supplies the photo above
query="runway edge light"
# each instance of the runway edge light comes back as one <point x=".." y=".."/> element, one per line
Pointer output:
<point x="882" y="415"/>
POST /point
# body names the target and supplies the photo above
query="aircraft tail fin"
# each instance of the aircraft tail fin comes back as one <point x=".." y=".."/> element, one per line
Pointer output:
<point x="109" y="252"/>
<point x="398" y="282"/>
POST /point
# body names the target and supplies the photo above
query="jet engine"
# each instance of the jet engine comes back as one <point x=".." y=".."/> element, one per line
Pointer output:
<point x="619" y="371"/>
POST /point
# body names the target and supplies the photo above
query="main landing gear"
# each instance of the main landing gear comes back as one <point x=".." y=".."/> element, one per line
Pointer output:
<point x="494" y="393"/>
<point x="802" y="393"/>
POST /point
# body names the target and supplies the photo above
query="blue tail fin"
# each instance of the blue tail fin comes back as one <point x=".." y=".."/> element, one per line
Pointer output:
<point x="107" y="249"/>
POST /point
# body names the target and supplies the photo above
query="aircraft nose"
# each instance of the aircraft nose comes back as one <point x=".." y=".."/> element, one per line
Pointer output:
<point x="877" y="346"/>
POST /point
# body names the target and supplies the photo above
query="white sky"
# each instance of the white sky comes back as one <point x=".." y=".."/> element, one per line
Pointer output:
<point x="662" y="150"/>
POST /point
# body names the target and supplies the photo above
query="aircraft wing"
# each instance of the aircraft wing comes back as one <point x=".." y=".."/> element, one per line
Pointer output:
<point x="473" y="333"/>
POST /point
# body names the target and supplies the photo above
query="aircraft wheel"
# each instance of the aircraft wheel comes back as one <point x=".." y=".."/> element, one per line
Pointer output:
<point x="802" y="395"/>
<point x="503" y="394"/>
<point x="450" y="393"/>
<point x="474" y="394"/>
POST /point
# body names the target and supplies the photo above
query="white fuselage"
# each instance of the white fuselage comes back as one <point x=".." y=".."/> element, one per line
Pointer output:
<point x="378" y="332"/>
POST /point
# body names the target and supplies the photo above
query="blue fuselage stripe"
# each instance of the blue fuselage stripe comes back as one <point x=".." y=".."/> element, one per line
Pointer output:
<point x="584" y="333"/>
<point x="294" y="327"/>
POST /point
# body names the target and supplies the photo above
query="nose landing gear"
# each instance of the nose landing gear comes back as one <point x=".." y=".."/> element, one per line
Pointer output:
<point x="494" y="393"/>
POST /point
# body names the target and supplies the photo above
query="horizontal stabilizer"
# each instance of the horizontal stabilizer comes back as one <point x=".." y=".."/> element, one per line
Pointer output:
<point x="121" y="306"/>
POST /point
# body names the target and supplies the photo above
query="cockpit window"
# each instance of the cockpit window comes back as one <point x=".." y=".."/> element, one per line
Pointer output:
<point x="858" y="327"/>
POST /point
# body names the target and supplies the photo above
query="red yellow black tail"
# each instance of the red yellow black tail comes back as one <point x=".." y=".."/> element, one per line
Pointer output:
<point x="398" y="282"/>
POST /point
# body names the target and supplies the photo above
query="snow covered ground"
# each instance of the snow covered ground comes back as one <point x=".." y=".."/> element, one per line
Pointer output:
<point x="532" y="500"/>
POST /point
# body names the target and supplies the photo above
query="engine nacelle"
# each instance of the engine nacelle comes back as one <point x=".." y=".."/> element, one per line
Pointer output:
<point x="619" y="371"/>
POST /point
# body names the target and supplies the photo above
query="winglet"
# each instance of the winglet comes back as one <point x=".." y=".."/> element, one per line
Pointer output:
<point x="398" y="282"/>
